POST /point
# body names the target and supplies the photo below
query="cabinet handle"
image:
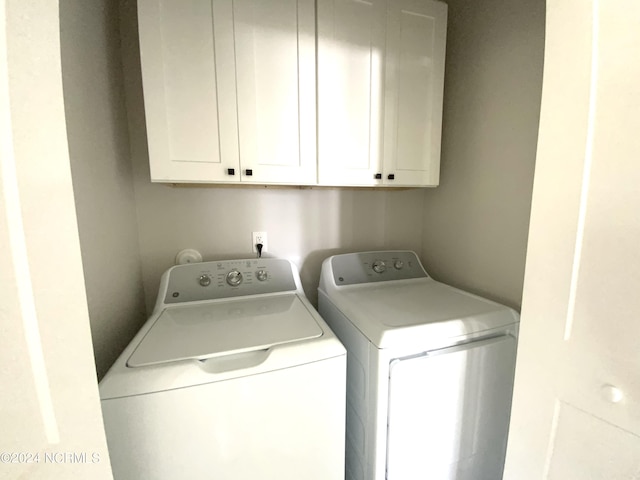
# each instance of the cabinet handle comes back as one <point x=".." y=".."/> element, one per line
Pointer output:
<point x="248" y="172"/>
<point x="378" y="176"/>
<point x="231" y="171"/>
<point x="391" y="176"/>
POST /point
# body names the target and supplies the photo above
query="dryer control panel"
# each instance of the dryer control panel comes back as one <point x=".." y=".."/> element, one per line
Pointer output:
<point x="368" y="267"/>
<point x="228" y="278"/>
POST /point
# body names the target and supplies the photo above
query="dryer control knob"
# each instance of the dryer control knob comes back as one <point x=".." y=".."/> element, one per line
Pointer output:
<point x="234" y="278"/>
<point x="204" y="280"/>
<point x="261" y="275"/>
<point x="398" y="264"/>
<point x="612" y="393"/>
<point x="379" y="266"/>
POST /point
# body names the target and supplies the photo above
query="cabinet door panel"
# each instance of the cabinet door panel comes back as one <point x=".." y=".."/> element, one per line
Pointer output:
<point x="350" y="88"/>
<point x="275" y="61"/>
<point x="416" y="35"/>
<point x="189" y="99"/>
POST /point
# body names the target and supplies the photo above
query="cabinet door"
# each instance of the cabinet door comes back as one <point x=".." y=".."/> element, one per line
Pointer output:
<point x="275" y="62"/>
<point x="351" y="42"/>
<point x="186" y="51"/>
<point x="416" y="36"/>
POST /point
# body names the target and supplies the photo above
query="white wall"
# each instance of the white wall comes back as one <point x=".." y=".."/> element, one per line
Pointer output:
<point x="303" y="225"/>
<point x="49" y="402"/>
<point x="102" y="174"/>
<point x="476" y="221"/>
<point x="576" y="406"/>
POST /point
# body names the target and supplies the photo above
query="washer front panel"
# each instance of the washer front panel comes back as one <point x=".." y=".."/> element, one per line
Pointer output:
<point x="286" y="424"/>
<point x="228" y="279"/>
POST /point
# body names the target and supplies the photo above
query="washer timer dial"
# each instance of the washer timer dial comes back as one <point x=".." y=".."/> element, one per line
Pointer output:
<point x="234" y="278"/>
<point x="379" y="266"/>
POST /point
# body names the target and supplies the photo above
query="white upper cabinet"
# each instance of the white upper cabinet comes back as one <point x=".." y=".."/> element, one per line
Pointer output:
<point x="188" y="74"/>
<point x="229" y="90"/>
<point x="351" y="42"/>
<point x="416" y="40"/>
<point x="380" y="86"/>
<point x="276" y="70"/>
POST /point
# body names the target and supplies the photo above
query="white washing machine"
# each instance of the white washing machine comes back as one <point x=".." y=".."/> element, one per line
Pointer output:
<point x="429" y="370"/>
<point x="234" y="377"/>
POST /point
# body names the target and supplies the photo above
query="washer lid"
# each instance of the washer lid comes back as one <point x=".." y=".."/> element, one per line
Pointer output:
<point x="223" y="328"/>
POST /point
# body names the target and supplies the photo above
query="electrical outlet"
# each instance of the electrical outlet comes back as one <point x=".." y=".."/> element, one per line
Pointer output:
<point x="259" y="237"/>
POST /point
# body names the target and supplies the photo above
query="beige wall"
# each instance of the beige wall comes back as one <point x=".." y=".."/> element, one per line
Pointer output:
<point x="476" y="221"/>
<point x="102" y="174"/>
<point x="305" y="226"/>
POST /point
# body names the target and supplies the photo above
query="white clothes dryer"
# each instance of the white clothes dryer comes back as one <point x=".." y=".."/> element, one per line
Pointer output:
<point x="234" y="376"/>
<point x="429" y="370"/>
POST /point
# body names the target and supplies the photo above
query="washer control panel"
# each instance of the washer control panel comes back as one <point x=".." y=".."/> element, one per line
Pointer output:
<point x="228" y="278"/>
<point x="369" y="267"/>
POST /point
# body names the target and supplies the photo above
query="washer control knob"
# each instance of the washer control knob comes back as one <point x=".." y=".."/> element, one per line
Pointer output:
<point x="234" y="278"/>
<point x="261" y="275"/>
<point x="398" y="264"/>
<point x="204" y="280"/>
<point x="379" y="266"/>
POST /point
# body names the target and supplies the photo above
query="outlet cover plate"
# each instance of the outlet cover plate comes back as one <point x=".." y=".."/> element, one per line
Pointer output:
<point x="259" y="237"/>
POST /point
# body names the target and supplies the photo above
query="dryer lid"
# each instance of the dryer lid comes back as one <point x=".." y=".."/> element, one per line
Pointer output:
<point x="391" y="314"/>
<point x="224" y="328"/>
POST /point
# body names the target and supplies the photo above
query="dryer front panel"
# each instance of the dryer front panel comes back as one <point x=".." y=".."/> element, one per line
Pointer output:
<point x="448" y="414"/>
